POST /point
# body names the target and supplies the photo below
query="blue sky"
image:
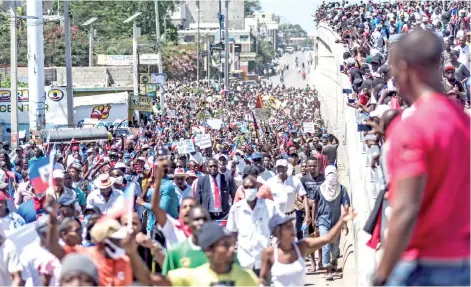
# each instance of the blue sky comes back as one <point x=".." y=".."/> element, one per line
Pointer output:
<point x="293" y="11"/>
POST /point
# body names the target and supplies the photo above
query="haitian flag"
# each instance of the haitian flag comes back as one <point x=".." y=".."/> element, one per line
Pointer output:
<point x="39" y="174"/>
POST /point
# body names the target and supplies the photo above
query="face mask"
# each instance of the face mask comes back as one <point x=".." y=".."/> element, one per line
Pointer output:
<point x="113" y="251"/>
<point x="117" y="180"/>
<point x="250" y="193"/>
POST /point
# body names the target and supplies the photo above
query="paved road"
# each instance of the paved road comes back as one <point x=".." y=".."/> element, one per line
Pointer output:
<point x="293" y="79"/>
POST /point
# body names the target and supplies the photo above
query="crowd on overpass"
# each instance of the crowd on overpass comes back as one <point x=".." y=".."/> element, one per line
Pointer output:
<point x="408" y="66"/>
<point x="251" y="167"/>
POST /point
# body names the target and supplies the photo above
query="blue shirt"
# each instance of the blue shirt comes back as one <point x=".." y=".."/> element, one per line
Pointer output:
<point x="328" y="212"/>
<point x="168" y="201"/>
<point x="27" y="211"/>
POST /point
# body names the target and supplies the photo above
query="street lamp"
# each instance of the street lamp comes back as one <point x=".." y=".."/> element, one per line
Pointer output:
<point x="14" y="74"/>
<point x="135" y="61"/>
<point x="90" y="22"/>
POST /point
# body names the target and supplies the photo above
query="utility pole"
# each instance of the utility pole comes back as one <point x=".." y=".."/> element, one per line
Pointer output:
<point x="68" y="67"/>
<point x="90" y="47"/>
<point x="157" y="34"/>
<point x="220" y="40"/>
<point x="198" y="42"/>
<point x="14" y="77"/>
<point x="159" y="54"/>
<point x="135" y="61"/>
<point x="226" y="46"/>
<point x="35" y="66"/>
<point x="209" y="61"/>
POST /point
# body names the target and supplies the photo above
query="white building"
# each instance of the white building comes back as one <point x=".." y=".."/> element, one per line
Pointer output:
<point x="264" y="26"/>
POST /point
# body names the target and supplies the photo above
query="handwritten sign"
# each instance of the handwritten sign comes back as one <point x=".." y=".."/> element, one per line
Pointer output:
<point x="308" y="128"/>
<point x="203" y="140"/>
<point x="171" y="114"/>
<point x="185" y="146"/>
<point x="141" y="103"/>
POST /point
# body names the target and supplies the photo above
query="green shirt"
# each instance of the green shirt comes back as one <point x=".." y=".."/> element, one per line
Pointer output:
<point x="82" y="200"/>
<point x="185" y="255"/>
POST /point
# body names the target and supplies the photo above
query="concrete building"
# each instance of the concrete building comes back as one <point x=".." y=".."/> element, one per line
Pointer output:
<point x="186" y="14"/>
<point x="264" y="26"/>
<point x="47" y="5"/>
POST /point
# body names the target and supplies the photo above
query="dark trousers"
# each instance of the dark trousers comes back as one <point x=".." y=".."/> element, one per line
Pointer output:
<point x="299" y="223"/>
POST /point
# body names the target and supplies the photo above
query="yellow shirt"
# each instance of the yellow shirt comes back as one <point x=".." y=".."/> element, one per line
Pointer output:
<point x="204" y="276"/>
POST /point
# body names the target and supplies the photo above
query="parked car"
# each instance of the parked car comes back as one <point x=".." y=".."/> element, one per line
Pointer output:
<point x="289" y="50"/>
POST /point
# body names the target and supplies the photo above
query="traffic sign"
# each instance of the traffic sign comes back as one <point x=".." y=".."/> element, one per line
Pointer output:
<point x="145" y="79"/>
<point x="217" y="47"/>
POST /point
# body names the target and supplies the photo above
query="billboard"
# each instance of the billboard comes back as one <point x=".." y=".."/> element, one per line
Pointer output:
<point x="55" y="100"/>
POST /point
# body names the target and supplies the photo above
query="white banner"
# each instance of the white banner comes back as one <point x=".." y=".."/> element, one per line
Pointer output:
<point x="308" y="128"/>
<point x="55" y="100"/>
<point x="203" y="141"/>
<point x="185" y="146"/>
<point x="126" y="60"/>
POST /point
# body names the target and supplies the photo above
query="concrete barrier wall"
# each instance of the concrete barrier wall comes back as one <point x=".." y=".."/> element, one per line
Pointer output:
<point x="341" y="120"/>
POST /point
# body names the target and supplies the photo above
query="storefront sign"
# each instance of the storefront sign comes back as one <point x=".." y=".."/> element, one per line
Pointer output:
<point x="55" y="100"/>
<point x="141" y="103"/>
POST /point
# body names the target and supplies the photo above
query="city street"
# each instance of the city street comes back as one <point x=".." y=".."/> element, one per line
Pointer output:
<point x="294" y="79"/>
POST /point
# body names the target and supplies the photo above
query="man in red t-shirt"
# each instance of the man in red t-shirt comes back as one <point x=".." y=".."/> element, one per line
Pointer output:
<point x="428" y="240"/>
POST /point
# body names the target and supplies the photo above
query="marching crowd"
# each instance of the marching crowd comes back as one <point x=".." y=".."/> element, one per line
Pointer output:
<point x="233" y="186"/>
<point x="408" y="64"/>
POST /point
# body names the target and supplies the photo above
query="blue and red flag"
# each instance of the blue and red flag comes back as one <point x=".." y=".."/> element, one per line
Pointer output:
<point x="125" y="205"/>
<point x="39" y="175"/>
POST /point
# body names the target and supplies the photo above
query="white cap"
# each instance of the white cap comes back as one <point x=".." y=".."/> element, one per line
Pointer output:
<point x="282" y="162"/>
<point x="58" y="173"/>
<point x="120" y="165"/>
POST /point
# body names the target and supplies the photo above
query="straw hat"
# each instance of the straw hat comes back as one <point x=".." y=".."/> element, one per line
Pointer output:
<point x="103" y="181"/>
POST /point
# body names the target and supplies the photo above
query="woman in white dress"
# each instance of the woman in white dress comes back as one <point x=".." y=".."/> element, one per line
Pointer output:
<point x="284" y="262"/>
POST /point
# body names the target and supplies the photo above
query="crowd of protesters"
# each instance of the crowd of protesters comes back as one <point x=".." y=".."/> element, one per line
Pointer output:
<point x="408" y="64"/>
<point x="161" y="207"/>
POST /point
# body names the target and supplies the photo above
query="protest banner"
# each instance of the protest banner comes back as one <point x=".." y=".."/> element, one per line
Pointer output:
<point x="141" y="103"/>
<point x="185" y="146"/>
<point x="203" y="140"/>
<point x="308" y="128"/>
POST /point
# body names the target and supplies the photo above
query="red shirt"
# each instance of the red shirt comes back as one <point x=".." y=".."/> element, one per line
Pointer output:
<point x="435" y="141"/>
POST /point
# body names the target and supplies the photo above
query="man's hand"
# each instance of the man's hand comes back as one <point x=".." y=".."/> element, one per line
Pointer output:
<point x="129" y="243"/>
<point x="140" y="201"/>
<point x="347" y="214"/>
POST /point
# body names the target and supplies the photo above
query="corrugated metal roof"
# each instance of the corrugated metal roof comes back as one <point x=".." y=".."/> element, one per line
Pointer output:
<point x="112" y="98"/>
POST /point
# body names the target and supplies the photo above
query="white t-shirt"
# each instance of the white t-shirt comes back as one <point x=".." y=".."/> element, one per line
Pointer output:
<point x="284" y="193"/>
<point x="464" y="55"/>
<point x="9" y="262"/>
<point x="172" y="234"/>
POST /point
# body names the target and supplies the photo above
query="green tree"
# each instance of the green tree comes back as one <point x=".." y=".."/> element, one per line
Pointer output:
<point x="252" y="6"/>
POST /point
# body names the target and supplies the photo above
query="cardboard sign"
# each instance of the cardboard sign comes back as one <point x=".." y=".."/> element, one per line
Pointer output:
<point x="203" y="141"/>
<point x="171" y="114"/>
<point x="308" y="128"/>
<point x="141" y="103"/>
<point x="185" y="146"/>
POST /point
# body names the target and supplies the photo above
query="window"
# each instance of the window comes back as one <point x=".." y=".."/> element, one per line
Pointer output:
<point x="189" y="38"/>
<point x="244" y="38"/>
<point x="245" y="48"/>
